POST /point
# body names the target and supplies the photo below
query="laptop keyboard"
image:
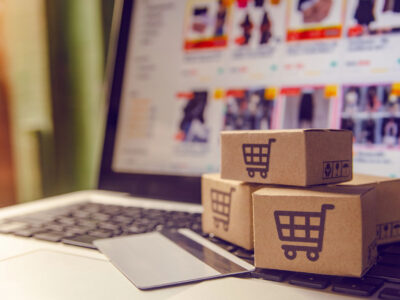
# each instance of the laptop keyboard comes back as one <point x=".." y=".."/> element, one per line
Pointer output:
<point x="81" y="224"/>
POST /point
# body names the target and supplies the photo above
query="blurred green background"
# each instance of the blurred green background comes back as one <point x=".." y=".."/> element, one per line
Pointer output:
<point x="52" y="62"/>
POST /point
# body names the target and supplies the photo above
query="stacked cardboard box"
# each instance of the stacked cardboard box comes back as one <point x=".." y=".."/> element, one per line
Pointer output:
<point x="388" y="205"/>
<point x="276" y="193"/>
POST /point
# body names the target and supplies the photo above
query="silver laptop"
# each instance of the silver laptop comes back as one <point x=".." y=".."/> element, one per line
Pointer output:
<point x="166" y="109"/>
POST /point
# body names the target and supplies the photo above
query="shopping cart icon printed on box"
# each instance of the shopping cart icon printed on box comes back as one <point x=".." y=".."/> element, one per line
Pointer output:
<point x="306" y="228"/>
<point x="221" y="207"/>
<point x="257" y="157"/>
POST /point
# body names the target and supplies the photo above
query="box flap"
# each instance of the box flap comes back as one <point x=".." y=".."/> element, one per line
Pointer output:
<point x="363" y="179"/>
<point x="245" y="132"/>
<point x="324" y="130"/>
<point x="318" y="191"/>
<point x="217" y="177"/>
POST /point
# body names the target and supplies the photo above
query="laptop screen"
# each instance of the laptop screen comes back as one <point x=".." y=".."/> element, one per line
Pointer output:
<point x="187" y="69"/>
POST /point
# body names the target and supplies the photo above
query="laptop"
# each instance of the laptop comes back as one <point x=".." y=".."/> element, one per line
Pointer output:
<point x="165" y="113"/>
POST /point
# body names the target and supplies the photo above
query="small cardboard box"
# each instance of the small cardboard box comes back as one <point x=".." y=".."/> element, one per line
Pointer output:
<point x="387" y="205"/>
<point x="299" y="157"/>
<point x="228" y="209"/>
<point x="324" y="230"/>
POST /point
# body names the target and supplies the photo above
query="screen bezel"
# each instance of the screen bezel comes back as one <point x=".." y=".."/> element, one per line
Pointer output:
<point x="164" y="187"/>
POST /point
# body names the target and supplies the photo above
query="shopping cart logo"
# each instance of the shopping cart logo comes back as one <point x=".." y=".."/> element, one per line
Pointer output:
<point x="221" y="207"/>
<point x="306" y="228"/>
<point x="336" y="169"/>
<point x="257" y="157"/>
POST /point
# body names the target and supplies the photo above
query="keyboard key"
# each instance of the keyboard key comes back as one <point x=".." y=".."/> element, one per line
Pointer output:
<point x="91" y="207"/>
<point x="389" y="273"/>
<point x="310" y="281"/>
<point x="392" y="249"/>
<point x="390" y="294"/>
<point x="77" y="230"/>
<point x="111" y="209"/>
<point x="196" y="227"/>
<point x="87" y="223"/>
<point x="11" y="226"/>
<point x="100" y="217"/>
<point x="245" y="254"/>
<point x="100" y="233"/>
<point x="144" y="222"/>
<point x="50" y="236"/>
<point x="134" y="229"/>
<point x="117" y="232"/>
<point x="357" y="286"/>
<point x="107" y="225"/>
<point x="270" y="274"/>
<point x="81" y="214"/>
<point x="54" y="226"/>
<point x="28" y="232"/>
<point x="132" y="212"/>
<point x="122" y="219"/>
<point x="154" y="213"/>
<point x="66" y="220"/>
<point x="170" y="224"/>
<point x="390" y="260"/>
<point x="81" y="241"/>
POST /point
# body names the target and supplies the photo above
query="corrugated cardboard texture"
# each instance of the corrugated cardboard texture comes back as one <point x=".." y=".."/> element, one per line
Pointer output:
<point x="388" y="205"/>
<point x="344" y="216"/>
<point x="290" y="157"/>
<point x="228" y="209"/>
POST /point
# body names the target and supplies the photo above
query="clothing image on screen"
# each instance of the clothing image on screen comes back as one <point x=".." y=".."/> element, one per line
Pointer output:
<point x="220" y="19"/>
<point x="247" y="28"/>
<point x="373" y="113"/>
<point x="391" y="102"/>
<point x="374" y="17"/>
<point x="259" y="3"/>
<point x="200" y="20"/>
<point x="351" y="100"/>
<point x="265" y="29"/>
<point x="314" y="11"/>
<point x="314" y="20"/>
<point x="254" y="24"/>
<point x="306" y="108"/>
<point x="192" y="127"/>
<point x="366" y="98"/>
<point x="388" y="17"/>
<point x="368" y="132"/>
<point x="349" y="124"/>
<point x="391" y="5"/>
<point x="373" y="102"/>
<point x="390" y="131"/>
<point x="364" y="13"/>
<point x="247" y="110"/>
<point x="206" y="24"/>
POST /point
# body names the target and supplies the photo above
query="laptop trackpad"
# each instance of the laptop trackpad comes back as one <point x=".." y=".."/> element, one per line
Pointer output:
<point x="160" y="259"/>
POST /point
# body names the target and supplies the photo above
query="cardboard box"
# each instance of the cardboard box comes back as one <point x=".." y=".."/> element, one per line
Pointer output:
<point x="324" y="230"/>
<point x="290" y="157"/>
<point x="228" y="209"/>
<point x="388" y="205"/>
